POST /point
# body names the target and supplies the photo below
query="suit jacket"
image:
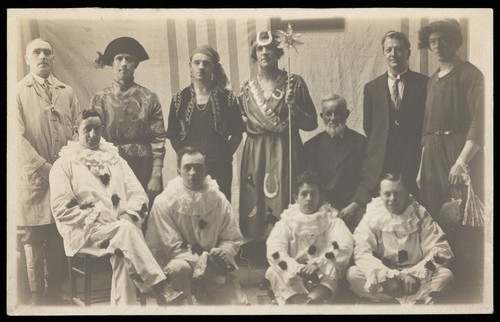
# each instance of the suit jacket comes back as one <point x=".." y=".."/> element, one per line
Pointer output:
<point x="376" y="104"/>
<point x="338" y="165"/>
<point x="45" y="127"/>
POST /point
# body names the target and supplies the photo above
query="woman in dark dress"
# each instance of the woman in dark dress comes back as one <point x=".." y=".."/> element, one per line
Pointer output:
<point x="452" y="140"/>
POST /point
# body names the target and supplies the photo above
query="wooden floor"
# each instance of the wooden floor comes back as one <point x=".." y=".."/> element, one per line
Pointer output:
<point x="252" y="267"/>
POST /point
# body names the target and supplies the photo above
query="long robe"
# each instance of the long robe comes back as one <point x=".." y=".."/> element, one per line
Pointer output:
<point x="264" y="180"/>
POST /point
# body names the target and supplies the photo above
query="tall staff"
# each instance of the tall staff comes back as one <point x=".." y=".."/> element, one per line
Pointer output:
<point x="288" y="40"/>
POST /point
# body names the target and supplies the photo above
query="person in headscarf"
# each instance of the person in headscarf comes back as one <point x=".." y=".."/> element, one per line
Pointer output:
<point x="265" y="100"/>
<point x="98" y="205"/>
<point x="205" y="115"/>
<point x="132" y="114"/>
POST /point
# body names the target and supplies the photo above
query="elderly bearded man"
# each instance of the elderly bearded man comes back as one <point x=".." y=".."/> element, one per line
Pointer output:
<point x="337" y="153"/>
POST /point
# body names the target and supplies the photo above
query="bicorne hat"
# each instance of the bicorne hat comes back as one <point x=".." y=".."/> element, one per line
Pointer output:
<point x="124" y="45"/>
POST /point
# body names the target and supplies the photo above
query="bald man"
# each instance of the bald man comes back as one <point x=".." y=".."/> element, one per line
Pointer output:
<point x="47" y="111"/>
<point x="337" y="154"/>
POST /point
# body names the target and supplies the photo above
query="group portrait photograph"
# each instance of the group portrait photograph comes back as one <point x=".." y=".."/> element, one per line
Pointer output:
<point x="249" y="161"/>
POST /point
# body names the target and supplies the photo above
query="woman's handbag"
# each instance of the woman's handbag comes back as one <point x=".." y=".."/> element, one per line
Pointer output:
<point x="465" y="208"/>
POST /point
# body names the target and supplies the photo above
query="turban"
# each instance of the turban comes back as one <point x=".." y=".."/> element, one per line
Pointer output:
<point x="207" y="51"/>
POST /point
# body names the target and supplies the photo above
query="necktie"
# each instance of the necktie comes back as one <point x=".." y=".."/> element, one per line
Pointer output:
<point x="396" y="98"/>
<point x="48" y="91"/>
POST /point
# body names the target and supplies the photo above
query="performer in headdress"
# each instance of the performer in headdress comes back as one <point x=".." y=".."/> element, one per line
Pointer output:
<point x="265" y="100"/>
<point x="205" y="115"/>
<point x="132" y="115"/>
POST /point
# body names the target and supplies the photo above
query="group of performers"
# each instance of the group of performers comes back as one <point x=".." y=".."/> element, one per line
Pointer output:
<point x="362" y="208"/>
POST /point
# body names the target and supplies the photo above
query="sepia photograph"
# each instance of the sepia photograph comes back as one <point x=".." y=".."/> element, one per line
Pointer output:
<point x="249" y="161"/>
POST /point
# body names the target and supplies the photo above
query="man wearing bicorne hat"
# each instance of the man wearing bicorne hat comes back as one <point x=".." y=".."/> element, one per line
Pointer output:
<point x="132" y="114"/>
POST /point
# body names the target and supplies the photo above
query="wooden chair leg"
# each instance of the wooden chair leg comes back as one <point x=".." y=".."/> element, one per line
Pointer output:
<point x="142" y="297"/>
<point x="72" y="280"/>
<point x="87" y="268"/>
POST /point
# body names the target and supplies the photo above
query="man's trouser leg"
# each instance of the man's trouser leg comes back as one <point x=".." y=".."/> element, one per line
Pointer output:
<point x="55" y="258"/>
<point x="282" y="290"/>
<point x="180" y="277"/>
<point x="34" y="248"/>
<point x="122" y="286"/>
<point x="136" y="265"/>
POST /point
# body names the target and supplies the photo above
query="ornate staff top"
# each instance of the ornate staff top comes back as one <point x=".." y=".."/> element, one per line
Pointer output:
<point x="288" y="40"/>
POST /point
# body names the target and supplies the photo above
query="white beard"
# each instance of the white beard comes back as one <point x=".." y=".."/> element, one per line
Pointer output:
<point x="334" y="130"/>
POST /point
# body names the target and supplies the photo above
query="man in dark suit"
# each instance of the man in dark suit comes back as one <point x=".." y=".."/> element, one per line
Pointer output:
<point x="393" y="108"/>
<point x="336" y="154"/>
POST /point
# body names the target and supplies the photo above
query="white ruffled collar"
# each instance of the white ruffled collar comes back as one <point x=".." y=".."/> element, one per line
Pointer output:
<point x="317" y="220"/>
<point x="97" y="161"/>
<point x="189" y="202"/>
<point x="405" y="223"/>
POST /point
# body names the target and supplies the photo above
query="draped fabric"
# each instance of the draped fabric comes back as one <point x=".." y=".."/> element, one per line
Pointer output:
<point x="333" y="61"/>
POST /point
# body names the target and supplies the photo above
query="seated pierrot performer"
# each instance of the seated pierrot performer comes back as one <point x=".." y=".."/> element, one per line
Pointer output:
<point x="401" y="254"/>
<point x="98" y="205"/>
<point x="194" y="235"/>
<point x="309" y="249"/>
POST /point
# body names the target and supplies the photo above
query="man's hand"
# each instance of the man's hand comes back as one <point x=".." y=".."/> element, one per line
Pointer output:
<point x="349" y="213"/>
<point x="220" y="260"/>
<point x="401" y="286"/>
<point x="393" y="287"/>
<point x="154" y="187"/>
<point x="219" y="254"/>
<point x="44" y="170"/>
<point x="308" y="271"/>
<point x="411" y="284"/>
<point x="105" y="220"/>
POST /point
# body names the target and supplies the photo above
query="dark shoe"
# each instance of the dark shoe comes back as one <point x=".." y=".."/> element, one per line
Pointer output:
<point x="169" y="296"/>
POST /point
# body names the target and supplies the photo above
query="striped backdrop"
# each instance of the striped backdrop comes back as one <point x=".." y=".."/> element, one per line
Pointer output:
<point x="338" y="61"/>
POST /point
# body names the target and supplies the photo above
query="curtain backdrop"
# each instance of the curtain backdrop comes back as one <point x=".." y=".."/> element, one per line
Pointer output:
<point x="336" y="61"/>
